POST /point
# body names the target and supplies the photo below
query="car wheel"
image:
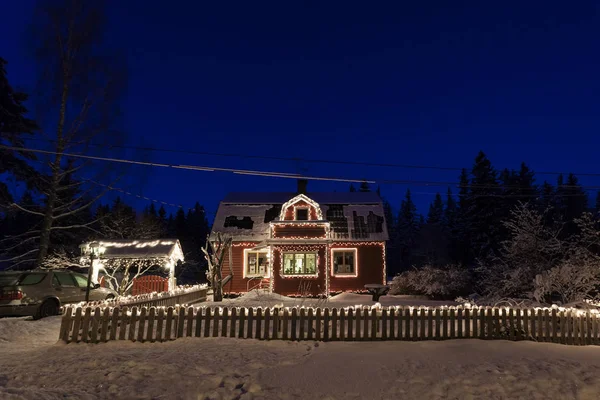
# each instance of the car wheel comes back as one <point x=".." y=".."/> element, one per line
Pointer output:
<point x="110" y="297"/>
<point x="47" y="309"/>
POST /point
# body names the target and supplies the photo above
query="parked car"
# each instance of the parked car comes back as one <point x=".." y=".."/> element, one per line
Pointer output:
<point x="41" y="293"/>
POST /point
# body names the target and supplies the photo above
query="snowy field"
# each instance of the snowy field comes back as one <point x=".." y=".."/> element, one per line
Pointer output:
<point x="34" y="366"/>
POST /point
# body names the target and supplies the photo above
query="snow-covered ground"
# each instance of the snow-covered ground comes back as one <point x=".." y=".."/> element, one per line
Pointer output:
<point x="34" y="366"/>
<point x="261" y="299"/>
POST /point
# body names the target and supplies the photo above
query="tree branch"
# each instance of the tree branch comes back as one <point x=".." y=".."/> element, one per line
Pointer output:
<point x="26" y="210"/>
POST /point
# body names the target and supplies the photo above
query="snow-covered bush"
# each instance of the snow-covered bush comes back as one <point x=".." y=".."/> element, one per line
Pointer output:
<point x="537" y="262"/>
<point x="531" y="249"/>
<point x="571" y="281"/>
<point x="443" y="282"/>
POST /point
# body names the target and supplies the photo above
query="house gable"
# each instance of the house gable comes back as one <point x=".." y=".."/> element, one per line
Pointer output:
<point x="291" y="210"/>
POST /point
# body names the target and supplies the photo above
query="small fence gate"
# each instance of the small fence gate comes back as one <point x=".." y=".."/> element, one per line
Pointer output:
<point x="149" y="284"/>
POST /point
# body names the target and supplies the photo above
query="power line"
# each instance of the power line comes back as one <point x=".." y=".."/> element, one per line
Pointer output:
<point x="295" y="159"/>
<point x="191" y="167"/>
<point x="281" y="174"/>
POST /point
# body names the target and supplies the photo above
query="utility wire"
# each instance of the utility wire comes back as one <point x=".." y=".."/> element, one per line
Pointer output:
<point x="191" y="167"/>
<point x="286" y="174"/>
<point x="293" y="159"/>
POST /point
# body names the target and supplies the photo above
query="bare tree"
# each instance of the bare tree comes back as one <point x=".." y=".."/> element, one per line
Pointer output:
<point x="215" y="252"/>
<point x="80" y="86"/>
<point x="120" y="274"/>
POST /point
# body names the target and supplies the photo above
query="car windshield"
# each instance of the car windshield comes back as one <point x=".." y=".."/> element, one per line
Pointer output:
<point x="31" y="278"/>
<point x="9" y="279"/>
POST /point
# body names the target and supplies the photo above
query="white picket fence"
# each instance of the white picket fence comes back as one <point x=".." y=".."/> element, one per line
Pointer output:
<point x="143" y="324"/>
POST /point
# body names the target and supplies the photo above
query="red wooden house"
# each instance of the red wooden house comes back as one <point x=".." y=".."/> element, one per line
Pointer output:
<point x="304" y="243"/>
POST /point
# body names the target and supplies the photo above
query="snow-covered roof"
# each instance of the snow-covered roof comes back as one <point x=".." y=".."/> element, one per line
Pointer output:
<point x="352" y="215"/>
<point x="124" y="248"/>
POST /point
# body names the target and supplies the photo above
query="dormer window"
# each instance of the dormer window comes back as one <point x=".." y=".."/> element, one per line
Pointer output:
<point x="301" y="214"/>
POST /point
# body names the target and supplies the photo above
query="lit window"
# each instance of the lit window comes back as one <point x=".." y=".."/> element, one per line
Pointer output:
<point x="299" y="264"/>
<point x="344" y="262"/>
<point x="257" y="263"/>
<point x="302" y="214"/>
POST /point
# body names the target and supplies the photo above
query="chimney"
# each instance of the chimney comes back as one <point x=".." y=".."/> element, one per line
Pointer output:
<point x="302" y="183"/>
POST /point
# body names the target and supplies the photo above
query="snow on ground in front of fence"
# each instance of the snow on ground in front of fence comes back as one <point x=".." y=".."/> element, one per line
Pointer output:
<point x="34" y="366"/>
<point x="261" y="299"/>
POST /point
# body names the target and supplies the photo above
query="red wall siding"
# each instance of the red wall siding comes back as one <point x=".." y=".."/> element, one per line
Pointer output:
<point x="290" y="286"/>
<point x="289" y="212"/>
<point x="238" y="283"/>
<point x="370" y="268"/>
<point x="299" y="231"/>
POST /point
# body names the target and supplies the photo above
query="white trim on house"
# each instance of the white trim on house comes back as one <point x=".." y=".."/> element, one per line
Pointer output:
<point x="345" y="274"/>
<point x="245" y="273"/>
<point x="298" y="198"/>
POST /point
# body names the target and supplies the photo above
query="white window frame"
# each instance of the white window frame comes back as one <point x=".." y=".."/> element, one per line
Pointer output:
<point x="282" y="269"/>
<point x="246" y="274"/>
<point x="307" y="208"/>
<point x="344" y="274"/>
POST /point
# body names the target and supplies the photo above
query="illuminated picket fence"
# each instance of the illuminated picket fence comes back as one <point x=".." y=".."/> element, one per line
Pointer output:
<point x="566" y="326"/>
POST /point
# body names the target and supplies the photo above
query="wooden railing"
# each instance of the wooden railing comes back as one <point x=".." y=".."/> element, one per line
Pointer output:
<point x="164" y="299"/>
<point x="572" y="327"/>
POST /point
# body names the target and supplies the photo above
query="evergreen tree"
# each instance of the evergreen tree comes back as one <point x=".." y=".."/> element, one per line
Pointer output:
<point x="180" y="224"/>
<point x="484" y="214"/>
<point x="171" y="227"/>
<point x="547" y="204"/>
<point x="463" y="191"/>
<point x="462" y="229"/>
<point x="15" y="223"/>
<point x="574" y="202"/>
<point x="525" y="181"/>
<point x="408" y="231"/>
<point x="450" y="212"/>
<point x="450" y="228"/>
<point x="352" y="188"/>
<point x="597" y="208"/>
<point x="162" y="221"/>
<point x="432" y="245"/>
<point x="118" y="221"/>
<point x="14" y="127"/>
<point x="436" y="210"/>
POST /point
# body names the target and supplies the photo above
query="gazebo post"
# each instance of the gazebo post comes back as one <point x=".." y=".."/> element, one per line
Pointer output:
<point x="171" y="267"/>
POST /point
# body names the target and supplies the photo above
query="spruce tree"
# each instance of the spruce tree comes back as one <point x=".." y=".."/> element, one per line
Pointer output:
<point x="352" y="188"/>
<point x="436" y="210"/>
<point x="484" y="214"/>
<point x="574" y="203"/>
<point x="547" y="204"/>
<point x="597" y="208"/>
<point x="162" y="221"/>
<point x="449" y="221"/>
<point x="14" y="128"/>
<point x="525" y="180"/>
<point x="408" y="231"/>
<point x="462" y="236"/>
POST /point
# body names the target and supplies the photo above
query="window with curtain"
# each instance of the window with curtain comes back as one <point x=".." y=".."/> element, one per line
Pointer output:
<point x="299" y="263"/>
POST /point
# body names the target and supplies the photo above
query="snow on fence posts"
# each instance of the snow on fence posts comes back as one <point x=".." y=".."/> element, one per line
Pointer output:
<point x="150" y="324"/>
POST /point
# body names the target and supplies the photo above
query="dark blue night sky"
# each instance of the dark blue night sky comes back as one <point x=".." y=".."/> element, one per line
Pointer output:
<point x="427" y="83"/>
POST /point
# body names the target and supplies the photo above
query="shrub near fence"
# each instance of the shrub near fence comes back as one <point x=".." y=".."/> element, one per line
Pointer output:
<point x="573" y="327"/>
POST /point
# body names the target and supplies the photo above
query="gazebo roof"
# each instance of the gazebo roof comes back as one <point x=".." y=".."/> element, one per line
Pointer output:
<point x="140" y="249"/>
